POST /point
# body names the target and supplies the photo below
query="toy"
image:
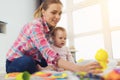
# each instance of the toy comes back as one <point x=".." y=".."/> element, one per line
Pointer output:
<point x="102" y="57"/>
<point x="59" y="75"/>
<point x="50" y="75"/>
<point x="113" y="75"/>
<point x="88" y="76"/>
<point x="42" y="74"/>
<point x="23" y="76"/>
<point x="18" y="76"/>
<point x="11" y="75"/>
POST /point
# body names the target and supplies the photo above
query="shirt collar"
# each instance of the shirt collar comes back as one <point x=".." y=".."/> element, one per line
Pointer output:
<point x="45" y="25"/>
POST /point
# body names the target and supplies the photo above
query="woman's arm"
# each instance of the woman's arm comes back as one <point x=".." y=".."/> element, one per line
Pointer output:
<point x="90" y="68"/>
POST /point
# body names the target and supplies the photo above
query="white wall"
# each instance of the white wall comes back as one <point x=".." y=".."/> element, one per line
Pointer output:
<point x="16" y="13"/>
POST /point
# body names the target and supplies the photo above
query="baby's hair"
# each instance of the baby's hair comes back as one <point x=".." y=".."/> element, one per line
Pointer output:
<point x="56" y="29"/>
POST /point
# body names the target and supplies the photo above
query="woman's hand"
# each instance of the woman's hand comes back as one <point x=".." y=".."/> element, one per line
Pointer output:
<point x="93" y="67"/>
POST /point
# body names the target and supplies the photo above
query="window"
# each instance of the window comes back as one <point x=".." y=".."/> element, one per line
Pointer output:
<point x="87" y="19"/>
<point x="95" y="24"/>
<point x="116" y="44"/>
<point x="88" y="45"/>
<point x="77" y="1"/>
<point x="114" y="12"/>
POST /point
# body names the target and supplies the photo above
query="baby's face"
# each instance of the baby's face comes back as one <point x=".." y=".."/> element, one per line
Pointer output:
<point x="60" y="38"/>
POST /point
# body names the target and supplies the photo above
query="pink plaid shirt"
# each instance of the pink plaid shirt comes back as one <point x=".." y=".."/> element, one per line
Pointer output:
<point x="33" y="41"/>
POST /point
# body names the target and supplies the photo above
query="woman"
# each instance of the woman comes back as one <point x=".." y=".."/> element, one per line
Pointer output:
<point x="32" y="49"/>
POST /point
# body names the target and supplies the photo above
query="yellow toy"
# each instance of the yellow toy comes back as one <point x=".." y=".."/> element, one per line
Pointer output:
<point x="42" y="74"/>
<point x="102" y="57"/>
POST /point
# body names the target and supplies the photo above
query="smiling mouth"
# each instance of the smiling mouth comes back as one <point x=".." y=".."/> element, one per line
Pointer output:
<point x="55" y="22"/>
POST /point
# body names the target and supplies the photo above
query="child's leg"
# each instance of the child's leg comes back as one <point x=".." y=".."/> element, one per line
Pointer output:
<point x="24" y="63"/>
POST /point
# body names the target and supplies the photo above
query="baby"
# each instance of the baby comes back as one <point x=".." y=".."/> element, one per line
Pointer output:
<point x="59" y="40"/>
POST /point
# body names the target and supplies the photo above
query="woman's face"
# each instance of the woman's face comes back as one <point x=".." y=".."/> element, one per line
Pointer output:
<point x="53" y="14"/>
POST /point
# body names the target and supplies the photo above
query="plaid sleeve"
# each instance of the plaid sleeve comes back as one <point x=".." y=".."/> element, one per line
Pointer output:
<point x="40" y="41"/>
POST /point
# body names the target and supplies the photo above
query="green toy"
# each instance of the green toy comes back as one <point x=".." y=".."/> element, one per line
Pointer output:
<point x="23" y="76"/>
